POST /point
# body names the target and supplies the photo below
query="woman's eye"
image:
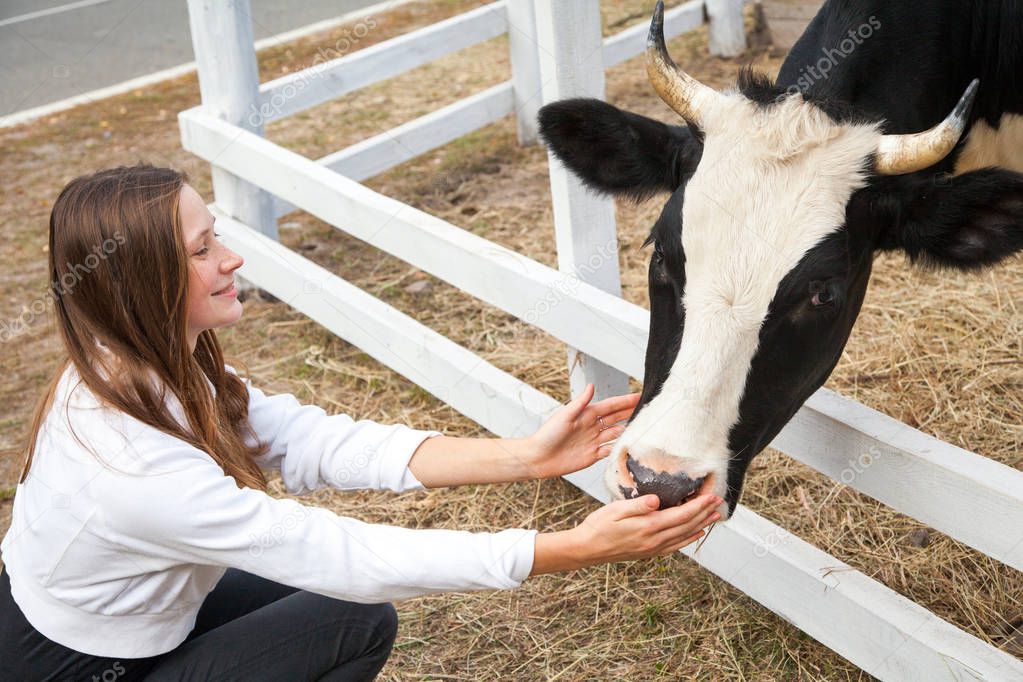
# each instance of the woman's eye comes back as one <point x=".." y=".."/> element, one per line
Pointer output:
<point x="820" y="294"/>
<point x="203" y="251"/>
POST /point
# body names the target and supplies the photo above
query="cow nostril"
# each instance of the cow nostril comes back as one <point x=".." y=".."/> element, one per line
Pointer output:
<point x="672" y="488"/>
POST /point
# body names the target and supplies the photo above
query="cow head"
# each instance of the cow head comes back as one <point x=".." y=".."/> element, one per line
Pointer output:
<point x="762" y="253"/>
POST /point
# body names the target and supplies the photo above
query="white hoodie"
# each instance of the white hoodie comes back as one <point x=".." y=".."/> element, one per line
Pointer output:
<point x="115" y="558"/>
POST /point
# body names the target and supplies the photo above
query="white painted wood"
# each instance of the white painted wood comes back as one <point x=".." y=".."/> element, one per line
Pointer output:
<point x="632" y="41"/>
<point x="566" y="307"/>
<point x="225" y="58"/>
<point x="397" y="145"/>
<point x="727" y="32"/>
<point x="301" y="90"/>
<point x="570" y="50"/>
<point x="977" y="500"/>
<point x="879" y="630"/>
<point x="914" y="474"/>
<point x="525" y="68"/>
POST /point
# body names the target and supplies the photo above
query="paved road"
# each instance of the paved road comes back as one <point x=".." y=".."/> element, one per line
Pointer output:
<point x="88" y="44"/>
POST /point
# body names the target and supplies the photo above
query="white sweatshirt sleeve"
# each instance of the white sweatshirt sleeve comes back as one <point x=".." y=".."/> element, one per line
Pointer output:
<point x="186" y="510"/>
<point x="313" y="450"/>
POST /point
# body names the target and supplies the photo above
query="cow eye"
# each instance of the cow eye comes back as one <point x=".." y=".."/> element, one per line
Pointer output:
<point x="820" y="294"/>
<point x="658" y="254"/>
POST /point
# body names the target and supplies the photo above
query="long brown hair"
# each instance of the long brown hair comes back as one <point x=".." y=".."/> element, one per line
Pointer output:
<point x="118" y="271"/>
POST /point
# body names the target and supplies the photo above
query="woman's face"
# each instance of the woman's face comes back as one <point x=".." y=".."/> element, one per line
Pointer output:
<point x="212" y="299"/>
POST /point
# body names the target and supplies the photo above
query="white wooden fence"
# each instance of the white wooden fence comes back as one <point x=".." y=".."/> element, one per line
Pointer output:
<point x="557" y="51"/>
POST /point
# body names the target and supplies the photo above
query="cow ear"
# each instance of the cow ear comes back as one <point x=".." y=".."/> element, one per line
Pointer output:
<point x="618" y="152"/>
<point x="965" y="222"/>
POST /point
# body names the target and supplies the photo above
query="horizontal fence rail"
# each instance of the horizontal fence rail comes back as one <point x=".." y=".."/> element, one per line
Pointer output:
<point x="948" y="487"/>
<point x="820" y="594"/>
<point x="632" y="41"/>
<point x="315" y="85"/>
<point x="405" y="142"/>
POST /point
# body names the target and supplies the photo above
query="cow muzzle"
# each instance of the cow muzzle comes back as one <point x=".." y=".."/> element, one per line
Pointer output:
<point x="667" y="477"/>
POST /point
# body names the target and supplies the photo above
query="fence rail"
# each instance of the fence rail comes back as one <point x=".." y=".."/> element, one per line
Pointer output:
<point x="944" y="486"/>
<point x="329" y="80"/>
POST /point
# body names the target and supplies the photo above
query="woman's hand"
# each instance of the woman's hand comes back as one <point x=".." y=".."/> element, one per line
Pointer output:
<point x="577" y="434"/>
<point x="625" y="530"/>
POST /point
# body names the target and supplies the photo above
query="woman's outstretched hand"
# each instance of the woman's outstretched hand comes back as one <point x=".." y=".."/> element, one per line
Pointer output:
<point x="625" y="530"/>
<point x="577" y="434"/>
<point x="573" y="438"/>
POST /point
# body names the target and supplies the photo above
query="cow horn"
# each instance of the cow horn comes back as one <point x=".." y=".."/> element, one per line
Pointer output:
<point x="898" y="154"/>
<point x="679" y="90"/>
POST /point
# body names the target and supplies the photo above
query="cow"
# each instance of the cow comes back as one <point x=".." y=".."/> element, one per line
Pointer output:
<point x="781" y="194"/>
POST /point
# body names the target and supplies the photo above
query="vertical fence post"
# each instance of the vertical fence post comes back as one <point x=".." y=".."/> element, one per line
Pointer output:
<point x="727" y="31"/>
<point x="570" y="50"/>
<point x="525" y="67"/>
<point x="225" y="57"/>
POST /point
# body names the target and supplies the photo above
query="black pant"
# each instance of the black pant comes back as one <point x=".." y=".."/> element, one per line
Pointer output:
<point x="248" y="628"/>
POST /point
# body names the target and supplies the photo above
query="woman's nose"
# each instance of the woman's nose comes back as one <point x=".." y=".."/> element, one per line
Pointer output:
<point x="232" y="262"/>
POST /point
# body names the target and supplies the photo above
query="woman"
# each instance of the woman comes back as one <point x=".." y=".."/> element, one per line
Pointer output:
<point x="143" y="543"/>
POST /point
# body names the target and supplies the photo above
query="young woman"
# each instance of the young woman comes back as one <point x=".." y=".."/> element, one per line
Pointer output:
<point x="143" y="543"/>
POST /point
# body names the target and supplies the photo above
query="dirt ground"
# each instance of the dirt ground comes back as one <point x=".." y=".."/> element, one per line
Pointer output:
<point x="939" y="351"/>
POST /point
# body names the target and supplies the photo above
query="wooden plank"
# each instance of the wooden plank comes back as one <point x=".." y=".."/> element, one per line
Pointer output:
<point x="966" y="486"/>
<point x="727" y="33"/>
<point x="303" y="89"/>
<point x="874" y="627"/>
<point x="570" y="51"/>
<point x="407" y="141"/>
<point x="879" y="630"/>
<point x="974" y="499"/>
<point x="525" y="68"/>
<point x="632" y="41"/>
<point x="225" y="58"/>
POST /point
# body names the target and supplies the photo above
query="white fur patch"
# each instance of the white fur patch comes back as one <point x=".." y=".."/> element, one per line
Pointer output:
<point x="772" y="183"/>
<point x="986" y="146"/>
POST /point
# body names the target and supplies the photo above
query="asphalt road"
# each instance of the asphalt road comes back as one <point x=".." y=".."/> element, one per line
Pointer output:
<point x="90" y="44"/>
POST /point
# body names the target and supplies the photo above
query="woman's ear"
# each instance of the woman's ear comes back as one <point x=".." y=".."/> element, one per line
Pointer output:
<point x="964" y="222"/>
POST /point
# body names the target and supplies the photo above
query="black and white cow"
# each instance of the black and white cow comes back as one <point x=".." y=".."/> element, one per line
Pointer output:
<point x="781" y="195"/>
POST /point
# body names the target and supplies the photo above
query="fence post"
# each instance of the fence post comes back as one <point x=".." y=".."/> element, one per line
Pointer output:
<point x="727" y="31"/>
<point x="225" y="58"/>
<point x="570" y="50"/>
<point x="525" y="67"/>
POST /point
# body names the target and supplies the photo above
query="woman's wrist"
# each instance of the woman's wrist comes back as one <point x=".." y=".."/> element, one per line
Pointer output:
<point x="521" y="458"/>
<point x="559" y="551"/>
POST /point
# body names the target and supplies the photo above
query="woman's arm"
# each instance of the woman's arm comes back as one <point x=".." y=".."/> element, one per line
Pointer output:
<point x="575" y="436"/>
<point x="312" y="449"/>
